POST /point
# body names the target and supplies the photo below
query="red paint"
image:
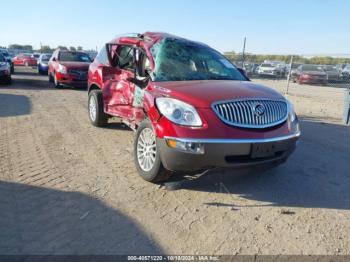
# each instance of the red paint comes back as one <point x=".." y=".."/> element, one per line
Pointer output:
<point x="23" y="59"/>
<point x="118" y="98"/>
<point x="67" y="77"/>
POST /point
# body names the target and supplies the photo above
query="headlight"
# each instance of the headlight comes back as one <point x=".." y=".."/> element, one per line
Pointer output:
<point x="62" y="69"/>
<point x="178" y="112"/>
<point x="292" y="115"/>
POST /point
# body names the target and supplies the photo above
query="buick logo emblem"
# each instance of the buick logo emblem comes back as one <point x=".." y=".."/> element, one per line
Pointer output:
<point x="259" y="109"/>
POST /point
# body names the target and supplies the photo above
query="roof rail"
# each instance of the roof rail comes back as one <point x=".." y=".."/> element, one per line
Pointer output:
<point x="135" y="35"/>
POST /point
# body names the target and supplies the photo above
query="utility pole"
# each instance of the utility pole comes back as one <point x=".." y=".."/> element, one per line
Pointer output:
<point x="245" y="39"/>
<point x="289" y="73"/>
<point x="41" y="48"/>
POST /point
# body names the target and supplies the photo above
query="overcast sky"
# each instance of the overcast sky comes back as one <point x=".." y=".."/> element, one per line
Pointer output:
<point x="271" y="26"/>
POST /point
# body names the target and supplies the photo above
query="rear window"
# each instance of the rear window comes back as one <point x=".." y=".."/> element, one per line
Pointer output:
<point x="74" y="57"/>
<point x="267" y="65"/>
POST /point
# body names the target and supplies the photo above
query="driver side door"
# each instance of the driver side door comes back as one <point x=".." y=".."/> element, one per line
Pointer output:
<point x="117" y="89"/>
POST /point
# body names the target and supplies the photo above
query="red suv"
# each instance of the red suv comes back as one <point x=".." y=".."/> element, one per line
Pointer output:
<point x="191" y="108"/>
<point x="68" y="68"/>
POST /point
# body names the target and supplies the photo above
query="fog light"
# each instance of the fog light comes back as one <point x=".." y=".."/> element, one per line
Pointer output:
<point x="190" y="147"/>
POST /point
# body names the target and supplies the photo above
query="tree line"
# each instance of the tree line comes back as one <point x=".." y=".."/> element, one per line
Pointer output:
<point x="255" y="58"/>
<point x="44" y="48"/>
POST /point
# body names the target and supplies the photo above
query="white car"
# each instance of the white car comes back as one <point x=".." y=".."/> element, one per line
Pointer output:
<point x="269" y="69"/>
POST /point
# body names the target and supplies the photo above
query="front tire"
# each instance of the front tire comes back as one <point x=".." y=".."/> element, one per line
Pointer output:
<point x="96" y="111"/>
<point x="55" y="81"/>
<point x="50" y="78"/>
<point x="9" y="81"/>
<point x="147" y="156"/>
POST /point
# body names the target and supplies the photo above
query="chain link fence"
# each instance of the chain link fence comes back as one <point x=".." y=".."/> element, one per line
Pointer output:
<point x="318" y="84"/>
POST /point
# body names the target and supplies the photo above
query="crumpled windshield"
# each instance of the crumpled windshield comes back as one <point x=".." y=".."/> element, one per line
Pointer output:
<point x="183" y="60"/>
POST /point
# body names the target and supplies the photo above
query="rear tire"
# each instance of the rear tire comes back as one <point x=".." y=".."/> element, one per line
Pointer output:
<point x="96" y="109"/>
<point x="146" y="155"/>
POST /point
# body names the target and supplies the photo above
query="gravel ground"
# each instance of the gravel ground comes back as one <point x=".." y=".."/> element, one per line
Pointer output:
<point x="67" y="187"/>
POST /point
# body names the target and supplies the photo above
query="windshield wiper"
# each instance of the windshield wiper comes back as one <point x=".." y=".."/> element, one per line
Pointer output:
<point x="220" y="78"/>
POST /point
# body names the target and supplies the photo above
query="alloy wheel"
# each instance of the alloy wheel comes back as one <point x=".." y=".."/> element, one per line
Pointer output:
<point x="92" y="108"/>
<point x="146" y="149"/>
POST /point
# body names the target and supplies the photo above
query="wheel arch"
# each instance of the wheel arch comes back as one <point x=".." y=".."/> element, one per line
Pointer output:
<point x="93" y="86"/>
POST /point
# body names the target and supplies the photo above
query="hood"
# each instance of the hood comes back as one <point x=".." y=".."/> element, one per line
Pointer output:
<point x="314" y="73"/>
<point x="204" y="93"/>
<point x="76" y="65"/>
<point x="3" y="64"/>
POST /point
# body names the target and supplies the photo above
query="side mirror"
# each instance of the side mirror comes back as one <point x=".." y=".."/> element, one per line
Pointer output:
<point x="141" y="83"/>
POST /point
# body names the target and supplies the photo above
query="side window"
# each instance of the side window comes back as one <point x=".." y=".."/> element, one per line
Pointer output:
<point x="143" y="64"/>
<point x="102" y="56"/>
<point x="125" y="54"/>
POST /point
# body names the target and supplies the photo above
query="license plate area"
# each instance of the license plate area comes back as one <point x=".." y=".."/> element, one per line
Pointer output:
<point x="263" y="150"/>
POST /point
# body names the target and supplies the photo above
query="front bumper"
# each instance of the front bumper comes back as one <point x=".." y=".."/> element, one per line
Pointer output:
<point x="268" y="73"/>
<point x="313" y="80"/>
<point x="237" y="153"/>
<point x="71" y="80"/>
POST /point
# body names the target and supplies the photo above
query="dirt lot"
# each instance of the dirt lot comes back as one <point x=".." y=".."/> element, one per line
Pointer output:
<point x="67" y="187"/>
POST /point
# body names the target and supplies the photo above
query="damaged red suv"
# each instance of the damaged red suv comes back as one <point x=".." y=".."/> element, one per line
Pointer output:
<point x="191" y="108"/>
<point x="68" y="68"/>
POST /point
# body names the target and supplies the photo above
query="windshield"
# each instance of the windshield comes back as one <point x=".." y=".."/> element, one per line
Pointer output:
<point x="74" y="57"/>
<point x="330" y="68"/>
<point x="4" y="52"/>
<point x="45" y="58"/>
<point x="182" y="60"/>
<point x="312" y="68"/>
<point x="2" y="58"/>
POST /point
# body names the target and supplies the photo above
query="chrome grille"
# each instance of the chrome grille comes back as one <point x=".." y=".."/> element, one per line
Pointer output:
<point x="252" y="113"/>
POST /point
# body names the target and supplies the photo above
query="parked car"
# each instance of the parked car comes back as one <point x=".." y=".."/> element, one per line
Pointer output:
<point x="191" y="108"/>
<point x="5" y="70"/>
<point x="251" y="68"/>
<point x="8" y="58"/>
<point x="345" y="75"/>
<point x="310" y="74"/>
<point x="270" y="69"/>
<point x="43" y="61"/>
<point x="35" y="55"/>
<point x="292" y="69"/>
<point x="340" y="67"/>
<point x="332" y="72"/>
<point x="68" y="68"/>
<point x="24" y="60"/>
